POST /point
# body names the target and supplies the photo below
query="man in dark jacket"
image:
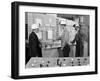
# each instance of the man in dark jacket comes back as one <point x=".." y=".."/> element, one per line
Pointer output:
<point x="34" y="43"/>
<point x="79" y="42"/>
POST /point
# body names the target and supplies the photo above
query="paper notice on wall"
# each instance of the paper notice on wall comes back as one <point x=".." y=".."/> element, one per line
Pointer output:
<point x="50" y="34"/>
<point x="38" y="22"/>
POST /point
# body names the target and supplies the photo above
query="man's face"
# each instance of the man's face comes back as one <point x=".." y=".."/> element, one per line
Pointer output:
<point x="36" y="30"/>
<point x="77" y="28"/>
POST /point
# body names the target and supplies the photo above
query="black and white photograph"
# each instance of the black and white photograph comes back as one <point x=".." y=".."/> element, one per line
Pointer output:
<point x="56" y="40"/>
<point x="50" y="40"/>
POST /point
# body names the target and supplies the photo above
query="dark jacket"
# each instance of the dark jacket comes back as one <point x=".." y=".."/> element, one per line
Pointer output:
<point x="79" y="44"/>
<point x="34" y="46"/>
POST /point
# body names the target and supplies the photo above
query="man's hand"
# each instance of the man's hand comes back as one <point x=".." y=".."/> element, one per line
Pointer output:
<point x="40" y="45"/>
